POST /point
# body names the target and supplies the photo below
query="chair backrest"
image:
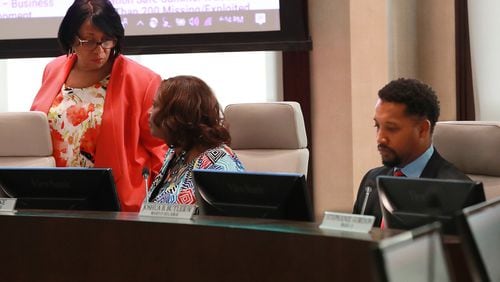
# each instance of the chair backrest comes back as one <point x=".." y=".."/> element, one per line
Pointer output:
<point x="474" y="147"/>
<point x="480" y="232"/>
<point x="269" y="136"/>
<point x="416" y="255"/>
<point x="25" y="140"/>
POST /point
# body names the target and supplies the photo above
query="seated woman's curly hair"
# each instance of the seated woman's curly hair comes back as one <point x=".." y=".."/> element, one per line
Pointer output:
<point x="189" y="114"/>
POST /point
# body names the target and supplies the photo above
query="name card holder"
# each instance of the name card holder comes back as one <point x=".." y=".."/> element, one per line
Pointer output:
<point x="347" y="222"/>
<point x="168" y="210"/>
<point x="7" y="204"/>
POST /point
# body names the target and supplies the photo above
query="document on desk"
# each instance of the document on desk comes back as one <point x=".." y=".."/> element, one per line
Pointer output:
<point x="168" y="210"/>
<point x="7" y="204"/>
<point x="347" y="222"/>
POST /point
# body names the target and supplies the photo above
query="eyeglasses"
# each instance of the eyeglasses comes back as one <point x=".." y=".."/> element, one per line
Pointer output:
<point x="92" y="44"/>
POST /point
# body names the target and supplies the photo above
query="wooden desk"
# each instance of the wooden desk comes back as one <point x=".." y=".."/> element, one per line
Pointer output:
<point x="104" y="246"/>
<point x="455" y="252"/>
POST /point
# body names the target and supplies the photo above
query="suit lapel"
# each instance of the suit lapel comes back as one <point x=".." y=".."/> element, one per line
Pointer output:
<point x="432" y="167"/>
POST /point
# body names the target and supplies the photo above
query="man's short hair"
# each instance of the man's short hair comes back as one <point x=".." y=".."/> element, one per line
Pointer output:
<point x="420" y="99"/>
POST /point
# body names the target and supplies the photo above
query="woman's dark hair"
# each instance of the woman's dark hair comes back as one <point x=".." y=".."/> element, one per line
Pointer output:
<point x="420" y="99"/>
<point x="101" y="13"/>
<point x="189" y="114"/>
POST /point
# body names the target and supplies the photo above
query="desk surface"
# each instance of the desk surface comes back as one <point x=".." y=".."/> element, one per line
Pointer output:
<point x="110" y="246"/>
<point x="257" y="224"/>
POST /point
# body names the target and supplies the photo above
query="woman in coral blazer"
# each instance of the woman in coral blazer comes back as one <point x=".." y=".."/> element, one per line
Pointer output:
<point x="98" y="102"/>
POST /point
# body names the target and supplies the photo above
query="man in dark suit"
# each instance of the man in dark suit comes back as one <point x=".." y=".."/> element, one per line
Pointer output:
<point x="405" y="115"/>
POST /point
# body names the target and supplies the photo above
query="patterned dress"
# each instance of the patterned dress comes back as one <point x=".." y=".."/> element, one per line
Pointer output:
<point x="175" y="185"/>
<point x="75" y="118"/>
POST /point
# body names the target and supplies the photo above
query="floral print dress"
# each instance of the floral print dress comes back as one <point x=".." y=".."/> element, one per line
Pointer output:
<point x="75" y="119"/>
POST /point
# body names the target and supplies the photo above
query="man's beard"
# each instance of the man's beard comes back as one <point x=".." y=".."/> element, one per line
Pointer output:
<point x="393" y="161"/>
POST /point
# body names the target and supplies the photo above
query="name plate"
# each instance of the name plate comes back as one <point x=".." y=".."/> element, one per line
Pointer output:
<point x="7" y="204"/>
<point x="168" y="210"/>
<point x="347" y="222"/>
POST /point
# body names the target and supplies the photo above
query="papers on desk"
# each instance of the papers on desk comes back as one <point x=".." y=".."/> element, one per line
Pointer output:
<point x="347" y="222"/>
<point x="168" y="210"/>
<point x="7" y="204"/>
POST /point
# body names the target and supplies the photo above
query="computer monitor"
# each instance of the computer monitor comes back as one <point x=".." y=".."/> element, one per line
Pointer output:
<point x="253" y="194"/>
<point x="479" y="228"/>
<point x="60" y="188"/>
<point x="413" y="256"/>
<point x="408" y="202"/>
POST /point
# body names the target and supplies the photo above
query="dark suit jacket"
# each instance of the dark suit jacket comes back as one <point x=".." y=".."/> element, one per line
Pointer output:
<point x="437" y="167"/>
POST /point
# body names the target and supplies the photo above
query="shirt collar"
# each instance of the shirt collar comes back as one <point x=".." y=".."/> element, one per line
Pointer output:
<point x="415" y="168"/>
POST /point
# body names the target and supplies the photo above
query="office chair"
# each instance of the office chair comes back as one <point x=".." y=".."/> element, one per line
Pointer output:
<point x="269" y="136"/>
<point x="25" y="140"/>
<point x="473" y="147"/>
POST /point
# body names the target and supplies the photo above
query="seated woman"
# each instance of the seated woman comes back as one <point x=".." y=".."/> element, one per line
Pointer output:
<point x="188" y="117"/>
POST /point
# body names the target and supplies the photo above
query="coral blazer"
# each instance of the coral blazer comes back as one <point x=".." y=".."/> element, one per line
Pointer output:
<point x="125" y="143"/>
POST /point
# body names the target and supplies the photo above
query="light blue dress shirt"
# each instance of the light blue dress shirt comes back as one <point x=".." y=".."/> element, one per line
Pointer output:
<point x="415" y="168"/>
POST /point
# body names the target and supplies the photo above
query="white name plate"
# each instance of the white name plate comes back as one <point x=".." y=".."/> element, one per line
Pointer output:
<point x="168" y="210"/>
<point x="7" y="204"/>
<point x="347" y="222"/>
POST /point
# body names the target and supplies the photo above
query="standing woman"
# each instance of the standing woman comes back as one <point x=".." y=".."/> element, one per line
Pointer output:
<point x="97" y="101"/>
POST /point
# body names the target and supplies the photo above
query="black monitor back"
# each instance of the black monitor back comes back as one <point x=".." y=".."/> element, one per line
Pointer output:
<point x="416" y="255"/>
<point x="479" y="228"/>
<point x="253" y="194"/>
<point x="407" y="202"/>
<point x="60" y="188"/>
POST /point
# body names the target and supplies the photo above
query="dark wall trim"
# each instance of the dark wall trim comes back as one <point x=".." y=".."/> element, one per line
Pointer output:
<point x="464" y="82"/>
<point x="297" y="87"/>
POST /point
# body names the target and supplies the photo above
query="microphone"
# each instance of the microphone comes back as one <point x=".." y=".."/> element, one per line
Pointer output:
<point x="145" y="175"/>
<point x="368" y="190"/>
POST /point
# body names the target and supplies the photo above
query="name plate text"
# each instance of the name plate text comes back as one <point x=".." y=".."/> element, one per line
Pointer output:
<point x="168" y="210"/>
<point x="7" y="204"/>
<point x="347" y="222"/>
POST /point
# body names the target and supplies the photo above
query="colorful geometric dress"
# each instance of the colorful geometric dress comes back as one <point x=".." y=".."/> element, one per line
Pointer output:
<point x="175" y="185"/>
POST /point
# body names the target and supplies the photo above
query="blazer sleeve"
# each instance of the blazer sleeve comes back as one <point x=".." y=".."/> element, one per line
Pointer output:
<point x="155" y="146"/>
<point x="372" y="201"/>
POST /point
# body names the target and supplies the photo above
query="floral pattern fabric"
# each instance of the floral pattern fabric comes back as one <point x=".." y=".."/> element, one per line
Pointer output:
<point x="175" y="183"/>
<point x="75" y="118"/>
